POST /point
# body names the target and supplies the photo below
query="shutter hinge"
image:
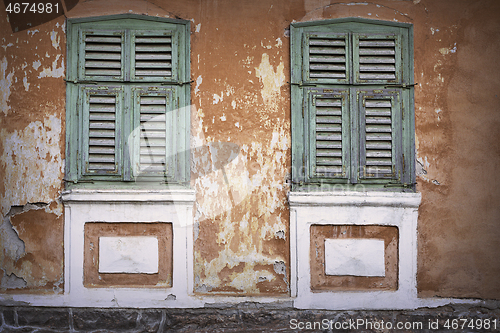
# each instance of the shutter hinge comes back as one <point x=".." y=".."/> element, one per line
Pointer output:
<point x="176" y="83"/>
<point x="404" y="85"/>
<point x="404" y="164"/>
<point x="400" y="185"/>
<point x="302" y="84"/>
<point x="82" y="82"/>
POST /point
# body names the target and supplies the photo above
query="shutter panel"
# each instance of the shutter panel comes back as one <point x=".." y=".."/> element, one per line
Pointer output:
<point x="103" y="55"/>
<point x="380" y="133"/>
<point x="330" y="131"/>
<point x="102" y="130"/>
<point x="152" y="55"/>
<point x="377" y="58"/>
<point x="326" y="58"/>
<point x="154" y="132"/>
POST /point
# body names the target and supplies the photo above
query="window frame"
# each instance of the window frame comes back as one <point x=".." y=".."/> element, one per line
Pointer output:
<point x="177" y="114"/>
<point x="302" y="86"/>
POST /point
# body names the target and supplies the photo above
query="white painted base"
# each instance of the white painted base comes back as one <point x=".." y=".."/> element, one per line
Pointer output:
<point x="137" y="206"/>
<point x="176" y="206"/>
<point x="354" y="208"/>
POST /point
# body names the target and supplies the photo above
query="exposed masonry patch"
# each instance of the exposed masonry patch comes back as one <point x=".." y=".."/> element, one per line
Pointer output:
<point x="11" y="281"/>
<point x="14" y="247"/>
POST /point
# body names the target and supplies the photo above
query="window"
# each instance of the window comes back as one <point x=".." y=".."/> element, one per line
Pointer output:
<point x="128" y="94"/>
<point x="352" y="105"/>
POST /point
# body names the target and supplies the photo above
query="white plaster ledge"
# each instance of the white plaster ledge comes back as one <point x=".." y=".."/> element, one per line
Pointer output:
<point x="375" y="199"/>
<point x="128" y="195"/>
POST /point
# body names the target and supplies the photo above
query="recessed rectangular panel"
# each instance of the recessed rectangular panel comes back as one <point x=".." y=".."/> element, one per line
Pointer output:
<point x="128" y="254"/>
<point x="356" y="257"/>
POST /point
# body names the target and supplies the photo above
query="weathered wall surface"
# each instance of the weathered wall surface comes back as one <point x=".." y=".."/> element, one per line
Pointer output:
<point x="240" y="68"/>
<point x="32" y="109"/>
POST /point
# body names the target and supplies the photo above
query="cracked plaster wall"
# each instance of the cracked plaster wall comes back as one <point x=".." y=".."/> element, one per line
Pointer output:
<point x="240" y="68"/>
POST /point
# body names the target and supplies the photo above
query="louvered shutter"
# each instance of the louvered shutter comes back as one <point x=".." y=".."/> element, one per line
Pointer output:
<point x="377" y="58"/>
<point x="326" y="58"/>
<point x="102" y="55"/>
<point x="329" y="133"/>
<point x="380" y="134"/>
<point x="102" y="122"/>
<point x="152" y="54"/>
<point x="154" y="133"/>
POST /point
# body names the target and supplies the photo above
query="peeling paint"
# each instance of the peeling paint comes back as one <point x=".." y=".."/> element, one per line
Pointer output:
<point x="32" y="162"/>
<point x="37" y="64"/>
<point x="25" y="83"/>
<point x="55" y="39"/>
<point x="218" y="98"/>
<point x="246" y="190"/>
<point x="199" y="80"/>
<point x="5" y="86"/>
<point x="54" y="71"/>
<point x="271" y="79"/>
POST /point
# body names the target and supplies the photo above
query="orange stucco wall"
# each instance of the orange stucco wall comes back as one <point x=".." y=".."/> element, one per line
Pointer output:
<point x="240" y="69"/>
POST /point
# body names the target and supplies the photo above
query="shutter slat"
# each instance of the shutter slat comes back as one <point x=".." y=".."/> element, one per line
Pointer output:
<point x="326" y="50"/>
<point x="153" y="65"/>
<point x="327" y="58"/>
<point x="153" y="73"/>
<point x="102" y="39"/>
<point x="103" y="47"/>
<point x="376" y="51"/>
<point x="329" y="120"/>
<point x="151" y="134"/>
<point x="103" y="64"/>
<point x="377" y="43"/>
<point x="102" y="56"/>
<point x="101" y="133"/>
<point x="153" y="56"/>
<point x="149" y="40"/>
<point x="326" y="67"/>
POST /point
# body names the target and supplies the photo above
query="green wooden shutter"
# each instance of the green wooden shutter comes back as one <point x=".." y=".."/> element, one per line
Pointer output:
<point x="102" y="55"/>
<point x="326" y="57"/>
<point x="154" y="133"/>
<point x="152" y="56"/>
<point x="328" y="125"/>
<point x="380" y="134"/>
<point x="377" y="58"/>
<point x="101" y="130"/>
